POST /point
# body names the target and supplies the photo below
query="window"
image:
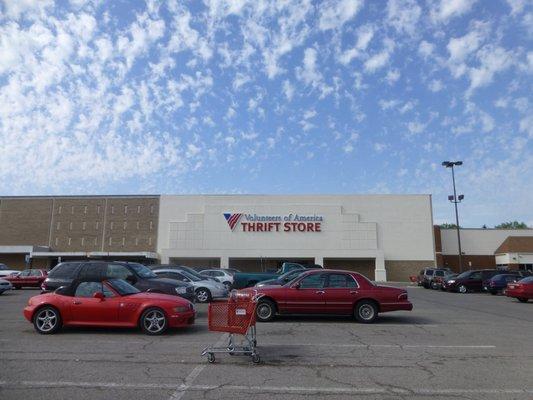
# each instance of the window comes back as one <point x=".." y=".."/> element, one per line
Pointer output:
<point x="26" y="272"/>
<point x="475" y="275"/>
<point x="70" y="225"/>
<point x="138" y="209"/>
<point x="341" y="281"/>
<point x="64" y="270"/>
<point x="88" y="289"/>
<point x="315" y="281"/>
<point x="82" y="241"/>
<point x="111" y="225"/>
<point x="35" y="272"/>
<point x="117" y="271"/>
<point x="125" y="225"/>
<point x="439" y="273"/>
<point x="59" y="209"/>
<point x="96" y="225"/>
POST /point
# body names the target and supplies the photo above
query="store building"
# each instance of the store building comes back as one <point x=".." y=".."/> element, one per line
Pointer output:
<point x="41" y="231"/>
<point x="485" y="248"/>
<point x="382" y="236"/>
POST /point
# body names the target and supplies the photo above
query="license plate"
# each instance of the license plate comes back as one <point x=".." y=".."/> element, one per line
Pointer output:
<point x="511" y="286"/>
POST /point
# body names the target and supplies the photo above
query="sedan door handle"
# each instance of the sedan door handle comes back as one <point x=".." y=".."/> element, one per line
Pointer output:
<point x="353" y="292"/>
<point x="77" y="302"/>
<point x="319" y="292"/>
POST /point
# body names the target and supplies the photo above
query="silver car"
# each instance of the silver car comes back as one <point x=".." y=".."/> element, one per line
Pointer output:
<point x="5" y="285"/>
<point x="205" y="289"/>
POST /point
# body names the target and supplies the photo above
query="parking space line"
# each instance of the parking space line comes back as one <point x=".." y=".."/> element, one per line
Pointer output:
<point x="181" y="389"/>
<point x="189" y="380"/>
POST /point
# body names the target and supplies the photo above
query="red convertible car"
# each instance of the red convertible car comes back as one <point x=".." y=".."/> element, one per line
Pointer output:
<point x="28" y="278"/>
<point x="521" y="290"/>
<point x="109" y="303"/>
<point x="329" y="292"/>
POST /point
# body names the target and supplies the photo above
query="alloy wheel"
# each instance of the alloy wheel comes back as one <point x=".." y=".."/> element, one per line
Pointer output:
<point x="154" y="321"/>
<point x="46" y="320"/>
<point x="366" y="312"/>
<point x="264" y="311"/>
<point x="202" y="295"/>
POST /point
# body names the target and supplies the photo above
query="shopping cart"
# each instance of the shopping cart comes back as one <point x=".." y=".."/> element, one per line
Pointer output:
<point x="236" y="317"/>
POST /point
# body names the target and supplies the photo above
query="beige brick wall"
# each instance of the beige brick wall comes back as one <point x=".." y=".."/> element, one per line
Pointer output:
<point x="25" y="221"/>
<point x="400" y="271"/>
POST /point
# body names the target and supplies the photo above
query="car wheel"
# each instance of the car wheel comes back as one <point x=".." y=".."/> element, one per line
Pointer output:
<point x="522" y="299"/>
<point x="227" y="284"/>
<point x="434" y="285"/>
<point x="203" y="295"/>
<point x="153" y="321"/>
<point x="494" y="292"/>
<point x="462" y="289"/>
<point x="265" y="311"/>
<point x="366" y="311"/>
<point x="47" y="320"/>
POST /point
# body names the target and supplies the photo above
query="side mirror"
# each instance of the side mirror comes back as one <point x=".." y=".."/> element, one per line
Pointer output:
<point x="296" y="285"/>
<point x="99" y="295"/>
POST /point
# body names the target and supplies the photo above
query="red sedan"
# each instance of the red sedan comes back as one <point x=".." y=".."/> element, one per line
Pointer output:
<point x="28" y="278"/>
<point x="329" y="292"/>
<point x="111" y="303"/>
<point x="521" y="290"/>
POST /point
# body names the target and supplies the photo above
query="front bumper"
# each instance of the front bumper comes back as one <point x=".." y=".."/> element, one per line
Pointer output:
<point x="28" y="313"/>
<point x="182" y="319"/>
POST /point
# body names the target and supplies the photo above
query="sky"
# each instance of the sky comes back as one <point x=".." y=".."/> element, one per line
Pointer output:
<point x="271" y="97"/>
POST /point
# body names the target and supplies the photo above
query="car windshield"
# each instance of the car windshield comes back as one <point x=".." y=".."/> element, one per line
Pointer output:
<point x="142" y="271"/>
<point x="192" y="277"/>
<point x="123" y="287"/>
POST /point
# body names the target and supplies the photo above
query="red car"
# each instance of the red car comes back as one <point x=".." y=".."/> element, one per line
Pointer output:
<point x="28" y="278"/>
<point x="109" y="303"/>
<point x="329" y="292"/>
<point x="521" y="290"/>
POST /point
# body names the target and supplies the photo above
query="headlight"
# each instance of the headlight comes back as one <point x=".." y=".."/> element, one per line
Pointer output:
<point x="452" y="281"/>
<point x="181" y="289"/>
<point x="182" y="309"/>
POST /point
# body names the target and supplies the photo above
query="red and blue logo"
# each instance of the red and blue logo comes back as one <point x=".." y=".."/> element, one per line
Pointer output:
<point x="232" y="219"/>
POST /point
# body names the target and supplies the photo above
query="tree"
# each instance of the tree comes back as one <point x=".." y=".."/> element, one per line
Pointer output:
<point x="512" y="225"/>
<point x="448" y="226"/>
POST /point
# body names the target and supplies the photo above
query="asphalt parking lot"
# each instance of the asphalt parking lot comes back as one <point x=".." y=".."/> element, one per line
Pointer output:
<point x="473" y="346"/>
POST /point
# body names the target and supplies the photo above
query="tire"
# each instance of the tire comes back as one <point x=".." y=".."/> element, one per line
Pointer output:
<point x="265" y="310"/>
<point x="256" y="359"/>
<point x="203" y="295"/>
<point x="47" y="320"/>
<point x="17" y="287"/>
<point x="493" y="292"/>
<point x="153" y="321"/>
<point x="434" y="285"/>
<point x="366" y="311"/>
<point x="522" y="299"/>
<point x="462" y="289"/>
<point x="227" y="284"/>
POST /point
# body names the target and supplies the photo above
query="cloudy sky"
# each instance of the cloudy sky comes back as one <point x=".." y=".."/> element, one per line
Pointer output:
<point x="119" y="97"/>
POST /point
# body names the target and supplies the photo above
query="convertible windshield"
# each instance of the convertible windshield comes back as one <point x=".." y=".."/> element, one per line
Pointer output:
<point x="123" y="287"/>
<point x="142" y="271"/>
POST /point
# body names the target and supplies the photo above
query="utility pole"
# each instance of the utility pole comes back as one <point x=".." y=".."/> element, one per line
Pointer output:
<point x="455" y="200"/>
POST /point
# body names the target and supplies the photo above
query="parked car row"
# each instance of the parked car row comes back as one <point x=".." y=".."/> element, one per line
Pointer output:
<point x="517" y="284"/>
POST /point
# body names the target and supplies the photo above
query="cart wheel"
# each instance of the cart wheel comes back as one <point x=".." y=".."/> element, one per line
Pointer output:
<point x="210" y="358"/>
<point x="231" y="351"/>
<point x="255" y="343"/>
<point x="256" y="359"/>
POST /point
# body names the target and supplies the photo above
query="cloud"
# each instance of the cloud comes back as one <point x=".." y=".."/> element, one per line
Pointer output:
<point x="492" y="60"/>
<point x="365" y="34"/>
<point x="425" y="49"/>
<point x="445" y="10"/>
<point x="381" y="59"/>
<point x="334" y="14"/>
<point x="435" y="85"/>
<point x="403" y="15"/>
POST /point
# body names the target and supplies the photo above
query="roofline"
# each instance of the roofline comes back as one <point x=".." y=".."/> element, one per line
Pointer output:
<point x="82" y="196"/>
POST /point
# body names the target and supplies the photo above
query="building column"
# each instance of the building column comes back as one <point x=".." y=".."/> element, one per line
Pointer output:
<point x="319" y="260"/>
<point x="380" y="272"/>
<point x="224" y="262"/>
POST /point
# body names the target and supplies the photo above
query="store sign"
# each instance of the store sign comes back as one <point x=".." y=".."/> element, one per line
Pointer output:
<point x="274" y="223"/>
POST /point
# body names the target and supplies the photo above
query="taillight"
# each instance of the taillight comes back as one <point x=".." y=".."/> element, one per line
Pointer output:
<point x="402" y="296"/>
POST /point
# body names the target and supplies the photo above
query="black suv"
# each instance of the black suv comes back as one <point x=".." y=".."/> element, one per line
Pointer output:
<point x="136" y="274"/>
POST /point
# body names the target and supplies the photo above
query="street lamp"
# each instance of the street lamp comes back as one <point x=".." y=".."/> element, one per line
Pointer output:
<point x="456" y="199"/>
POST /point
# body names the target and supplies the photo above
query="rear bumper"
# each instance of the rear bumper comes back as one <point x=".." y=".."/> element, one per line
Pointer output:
<point x="398" y="306"/>
<point x="182" y="319"/>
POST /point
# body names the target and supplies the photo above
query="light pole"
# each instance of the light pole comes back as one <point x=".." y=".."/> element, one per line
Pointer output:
<point x="456" y="199"/>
